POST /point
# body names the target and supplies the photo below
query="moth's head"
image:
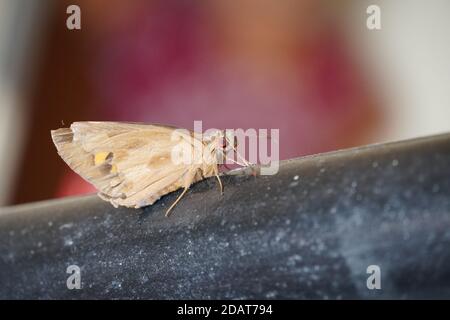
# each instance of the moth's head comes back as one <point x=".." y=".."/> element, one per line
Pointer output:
<point x="220" y="142"/>
<point x="224" y="140"/>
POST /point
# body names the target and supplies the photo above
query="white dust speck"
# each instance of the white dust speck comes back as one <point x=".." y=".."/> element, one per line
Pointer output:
<point x="144" y="278"/>
<point x="116" y="284"/>
<point x="296" y="177"/>
<point x="66" y="226"/>
<point x="394" y="162"/>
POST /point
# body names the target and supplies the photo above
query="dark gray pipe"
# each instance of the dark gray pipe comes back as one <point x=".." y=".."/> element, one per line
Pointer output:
<point x="311" y="231"/>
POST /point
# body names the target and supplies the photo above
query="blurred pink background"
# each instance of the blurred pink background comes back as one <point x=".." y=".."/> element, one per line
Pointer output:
<point x="249" y="64"/>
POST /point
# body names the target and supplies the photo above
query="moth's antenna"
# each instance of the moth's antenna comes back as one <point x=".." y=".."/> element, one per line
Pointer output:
<point x="176" y="201"/>
<point x="232" y="160"/>
<point x="248" y="164"/>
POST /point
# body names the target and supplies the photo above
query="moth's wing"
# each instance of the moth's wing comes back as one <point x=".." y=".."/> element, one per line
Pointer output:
<point x="130" y="164"/>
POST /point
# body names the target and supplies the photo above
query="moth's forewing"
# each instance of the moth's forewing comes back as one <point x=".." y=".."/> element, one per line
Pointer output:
<point x="130" y="164"/>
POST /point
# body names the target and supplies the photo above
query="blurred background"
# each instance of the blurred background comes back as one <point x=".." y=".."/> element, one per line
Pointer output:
<point x="311" y="69"/>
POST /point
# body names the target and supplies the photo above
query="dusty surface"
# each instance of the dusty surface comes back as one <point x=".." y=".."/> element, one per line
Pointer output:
<point x="308" y="232"/>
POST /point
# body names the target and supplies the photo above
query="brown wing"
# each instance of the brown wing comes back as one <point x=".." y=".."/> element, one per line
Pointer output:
<point x="130" y="164"/>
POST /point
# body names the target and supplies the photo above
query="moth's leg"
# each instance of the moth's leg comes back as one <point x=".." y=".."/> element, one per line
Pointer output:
<point x="176" y="201"/>
<point x="220" y="183"/>
<point x="188" y="179"/>
<point x="216" y="173"/>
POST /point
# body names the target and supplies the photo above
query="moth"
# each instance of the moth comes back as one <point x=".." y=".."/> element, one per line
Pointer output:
<point x="133" y="164"/>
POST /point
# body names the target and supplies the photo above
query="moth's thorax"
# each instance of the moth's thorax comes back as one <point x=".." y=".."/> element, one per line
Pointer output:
<point x="212" y="152"/>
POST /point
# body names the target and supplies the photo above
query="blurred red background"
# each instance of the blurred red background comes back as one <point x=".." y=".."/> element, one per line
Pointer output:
<point x="247" y="64"/>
